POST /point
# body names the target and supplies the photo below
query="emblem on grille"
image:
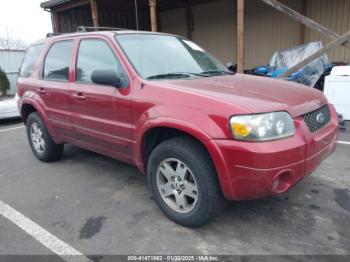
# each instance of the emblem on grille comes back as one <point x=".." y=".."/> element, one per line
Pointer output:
<point x="320" y="118"/>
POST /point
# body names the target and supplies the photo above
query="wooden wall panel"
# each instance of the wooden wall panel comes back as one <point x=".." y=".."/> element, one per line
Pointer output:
<point x="72" y="18"/>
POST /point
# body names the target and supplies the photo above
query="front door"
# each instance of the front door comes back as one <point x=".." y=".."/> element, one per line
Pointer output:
<point x="101" y="114"/>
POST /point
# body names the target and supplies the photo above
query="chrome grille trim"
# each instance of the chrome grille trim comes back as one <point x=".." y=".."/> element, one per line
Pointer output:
<point x="312" y="119"/>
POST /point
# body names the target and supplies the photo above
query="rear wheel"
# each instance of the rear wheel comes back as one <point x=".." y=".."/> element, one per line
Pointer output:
<point x="183" y="182"/>
<point x="40" y="140"/>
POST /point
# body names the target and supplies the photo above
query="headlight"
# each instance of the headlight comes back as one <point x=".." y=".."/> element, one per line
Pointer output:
<point x="262" y="127"/>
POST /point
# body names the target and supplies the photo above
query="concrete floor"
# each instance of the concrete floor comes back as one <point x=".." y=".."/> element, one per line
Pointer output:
<point x="101" y="206"/>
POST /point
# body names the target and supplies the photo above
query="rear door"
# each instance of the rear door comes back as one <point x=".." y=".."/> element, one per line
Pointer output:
<point x="54" y="86"/>
<point x="101" y="114"/>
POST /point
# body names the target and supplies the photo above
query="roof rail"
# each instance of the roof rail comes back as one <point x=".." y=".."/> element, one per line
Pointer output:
<point x="91" y="28"/>
<point x="53" y="34"/>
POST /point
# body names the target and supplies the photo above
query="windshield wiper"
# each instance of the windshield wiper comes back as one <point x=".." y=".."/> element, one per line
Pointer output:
<point x="216" y="72"/>
<point x="195" y="74"/>
<point x="169" y="75"/>
<point x="176" y="75"/>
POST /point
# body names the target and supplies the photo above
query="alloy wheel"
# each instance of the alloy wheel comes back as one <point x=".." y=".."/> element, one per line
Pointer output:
<point x="37" y="138"/>
<point x="177" y="185"/>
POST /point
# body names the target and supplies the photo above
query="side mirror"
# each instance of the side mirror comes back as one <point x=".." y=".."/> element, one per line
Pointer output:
<point x="106" y="77"/>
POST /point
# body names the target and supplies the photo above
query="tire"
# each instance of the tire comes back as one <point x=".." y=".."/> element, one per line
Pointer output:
<point x="201" y="205"/>
<point x="41" y="143"/>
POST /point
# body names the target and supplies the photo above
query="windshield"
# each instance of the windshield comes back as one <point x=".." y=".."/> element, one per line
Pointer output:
<point x="163" y="57"/>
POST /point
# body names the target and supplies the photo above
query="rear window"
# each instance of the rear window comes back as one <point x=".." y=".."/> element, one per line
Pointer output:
<point x="30" y="60"/>
<point x="57" y="61"/>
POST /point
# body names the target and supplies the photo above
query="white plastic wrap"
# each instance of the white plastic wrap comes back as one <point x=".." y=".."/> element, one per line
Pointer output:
<point x="308" y="75"/>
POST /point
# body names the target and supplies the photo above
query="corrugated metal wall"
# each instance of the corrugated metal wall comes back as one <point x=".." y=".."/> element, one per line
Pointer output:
<point x="10" y="62"/>
<point x="174" y="21"/>
<point x="214" y="27"/>
<point x="266" y="30"/>
<point x="334" y="14"/>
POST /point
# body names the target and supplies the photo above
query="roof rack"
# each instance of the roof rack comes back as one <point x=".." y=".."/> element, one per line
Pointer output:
<point x="53" y="34"/>
<point x="84" y="29"/>
<point x="91" y="28"/>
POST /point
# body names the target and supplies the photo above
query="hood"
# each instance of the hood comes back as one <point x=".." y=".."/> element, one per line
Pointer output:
<point x="256" y="94"/>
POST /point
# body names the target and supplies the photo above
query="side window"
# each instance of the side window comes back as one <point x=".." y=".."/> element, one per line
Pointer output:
<point x="30" y="60"/>
<point x="97" y="55"/>
<point x="57" y="61"/>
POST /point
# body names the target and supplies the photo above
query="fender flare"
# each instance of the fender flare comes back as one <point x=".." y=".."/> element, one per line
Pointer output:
<point x="180" y="125"/>
<point x="195" y="132"/>
<point x="38" y="108"/>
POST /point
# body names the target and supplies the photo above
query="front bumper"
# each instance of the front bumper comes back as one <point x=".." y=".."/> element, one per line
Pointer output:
<point x="251" y="170"/>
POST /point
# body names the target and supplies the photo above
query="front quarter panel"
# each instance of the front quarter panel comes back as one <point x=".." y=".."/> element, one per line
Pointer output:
<point x="204" y="127"/>
<point x="202" y="117"/>
<point x="156" y="104"/>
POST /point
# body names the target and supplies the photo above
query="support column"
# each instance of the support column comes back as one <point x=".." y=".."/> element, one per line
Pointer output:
<point x="240" y="36"/>
<point x="94" y="13"/>
<point x="189" y="18"/>
<point x="153" y="10"/>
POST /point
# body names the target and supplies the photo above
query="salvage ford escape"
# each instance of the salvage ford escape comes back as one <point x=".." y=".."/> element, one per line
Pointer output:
<point x="162" y="103"/>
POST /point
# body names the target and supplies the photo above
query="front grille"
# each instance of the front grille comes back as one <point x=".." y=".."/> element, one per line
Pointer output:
<point x="317" y="119"/>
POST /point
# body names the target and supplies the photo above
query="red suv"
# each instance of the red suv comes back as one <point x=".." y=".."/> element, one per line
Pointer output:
<point x="162" y="103"/>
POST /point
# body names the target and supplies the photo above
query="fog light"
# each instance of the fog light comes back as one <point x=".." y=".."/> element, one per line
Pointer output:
<point x="283" y="181"/>
<point x="276" y="184"/>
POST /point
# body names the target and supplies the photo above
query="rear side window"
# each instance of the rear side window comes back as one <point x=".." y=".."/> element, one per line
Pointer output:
<point x="30" y="60"/>
<point x="94" y="55"/>
<point x="57" y="61"/>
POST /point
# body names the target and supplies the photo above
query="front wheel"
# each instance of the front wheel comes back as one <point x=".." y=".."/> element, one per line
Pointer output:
<point x="183" y="182"/>
<point x="40" y="140"/>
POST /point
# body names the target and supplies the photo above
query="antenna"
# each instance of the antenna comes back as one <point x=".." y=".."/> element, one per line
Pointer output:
<point x="137" y="15"/>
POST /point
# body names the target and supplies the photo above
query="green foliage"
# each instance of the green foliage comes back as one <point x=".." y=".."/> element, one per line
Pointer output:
<point x="4" y="82"/>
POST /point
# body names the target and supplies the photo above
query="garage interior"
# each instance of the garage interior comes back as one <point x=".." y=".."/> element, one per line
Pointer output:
<point x="212" y="23"/>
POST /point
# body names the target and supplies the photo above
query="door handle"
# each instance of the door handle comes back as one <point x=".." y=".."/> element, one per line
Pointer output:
<point x="42" y="91"/>
<point x="79" y="96"/>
